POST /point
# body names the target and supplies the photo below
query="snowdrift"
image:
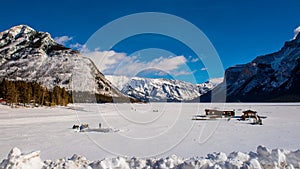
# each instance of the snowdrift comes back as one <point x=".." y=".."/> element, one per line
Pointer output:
<point x="262" y="158"/>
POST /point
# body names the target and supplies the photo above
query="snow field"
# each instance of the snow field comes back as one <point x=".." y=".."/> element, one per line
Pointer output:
<point x="152" y="131"/>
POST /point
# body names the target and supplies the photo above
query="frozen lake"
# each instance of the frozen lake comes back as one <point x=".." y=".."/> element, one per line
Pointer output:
<point x="145" y="130"/>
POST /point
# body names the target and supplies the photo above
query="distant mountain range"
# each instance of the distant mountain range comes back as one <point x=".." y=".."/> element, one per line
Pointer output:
<point x="160" y="89"/>
<point x="29" y="55"/>
<point x="269" y="78"/>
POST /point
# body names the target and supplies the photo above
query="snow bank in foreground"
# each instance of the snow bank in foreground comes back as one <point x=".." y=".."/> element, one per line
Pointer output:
<point x="263" y="158"/>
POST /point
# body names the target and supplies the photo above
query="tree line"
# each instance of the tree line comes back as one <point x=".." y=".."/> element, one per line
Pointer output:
<point x="26" y="93"/>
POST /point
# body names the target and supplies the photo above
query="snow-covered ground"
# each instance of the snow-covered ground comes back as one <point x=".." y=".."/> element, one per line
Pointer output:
<point x="263" y="158"/>
<point x="145" y="130"/>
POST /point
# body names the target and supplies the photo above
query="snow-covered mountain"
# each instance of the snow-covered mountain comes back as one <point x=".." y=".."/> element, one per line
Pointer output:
<point x="118" y="81"/>
<point x="149" y="89"/>
<point x="272" y="77"/>
<point x="209" y="85"/>
<point x="29" y="55"/>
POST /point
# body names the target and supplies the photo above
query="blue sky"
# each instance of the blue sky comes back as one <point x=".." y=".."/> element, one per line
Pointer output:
<point x="239" y="30"/>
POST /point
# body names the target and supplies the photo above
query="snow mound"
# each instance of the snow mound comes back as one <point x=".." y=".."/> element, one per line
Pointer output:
<point x="17" y="160"/>
<point x="75" y="162"/>
<point x="262" y="159"/>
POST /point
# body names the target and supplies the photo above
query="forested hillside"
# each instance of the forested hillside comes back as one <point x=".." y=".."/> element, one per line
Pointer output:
<point x="32" y="93"/>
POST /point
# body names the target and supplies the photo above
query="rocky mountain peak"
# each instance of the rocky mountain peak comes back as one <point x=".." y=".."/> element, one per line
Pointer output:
<point x="271" y="77"/>
<point x="22" y="38"/>
<point x="17" y="31"/>
<point x="29" y="55"/>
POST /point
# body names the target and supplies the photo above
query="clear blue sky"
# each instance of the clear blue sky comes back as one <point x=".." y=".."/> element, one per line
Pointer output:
<point x="239" y="30"/>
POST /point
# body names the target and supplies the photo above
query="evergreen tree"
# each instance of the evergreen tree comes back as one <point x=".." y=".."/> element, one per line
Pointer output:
<point x="65" y="97"/>
<point x="56" y="94"/>
<point x="28" y="94"/>
<point x="12" y="93"/>
<point x="3" y="89"/>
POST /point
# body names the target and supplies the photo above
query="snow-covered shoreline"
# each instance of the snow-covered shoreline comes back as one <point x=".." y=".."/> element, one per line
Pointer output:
<point x="262" y="158"/>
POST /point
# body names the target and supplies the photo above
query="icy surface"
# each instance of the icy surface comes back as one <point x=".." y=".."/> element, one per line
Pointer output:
<point x="146" y="130"/>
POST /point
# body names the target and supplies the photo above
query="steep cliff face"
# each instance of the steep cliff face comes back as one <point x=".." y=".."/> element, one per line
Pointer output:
<point x="272" y="77"/>
<point x="29" y="55"/>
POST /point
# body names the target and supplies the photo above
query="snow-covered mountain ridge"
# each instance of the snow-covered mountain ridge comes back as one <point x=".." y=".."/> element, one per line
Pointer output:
<point x="271" y="77"/>
<point x="29" y="55"/>
<point x="148" y="89"/>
